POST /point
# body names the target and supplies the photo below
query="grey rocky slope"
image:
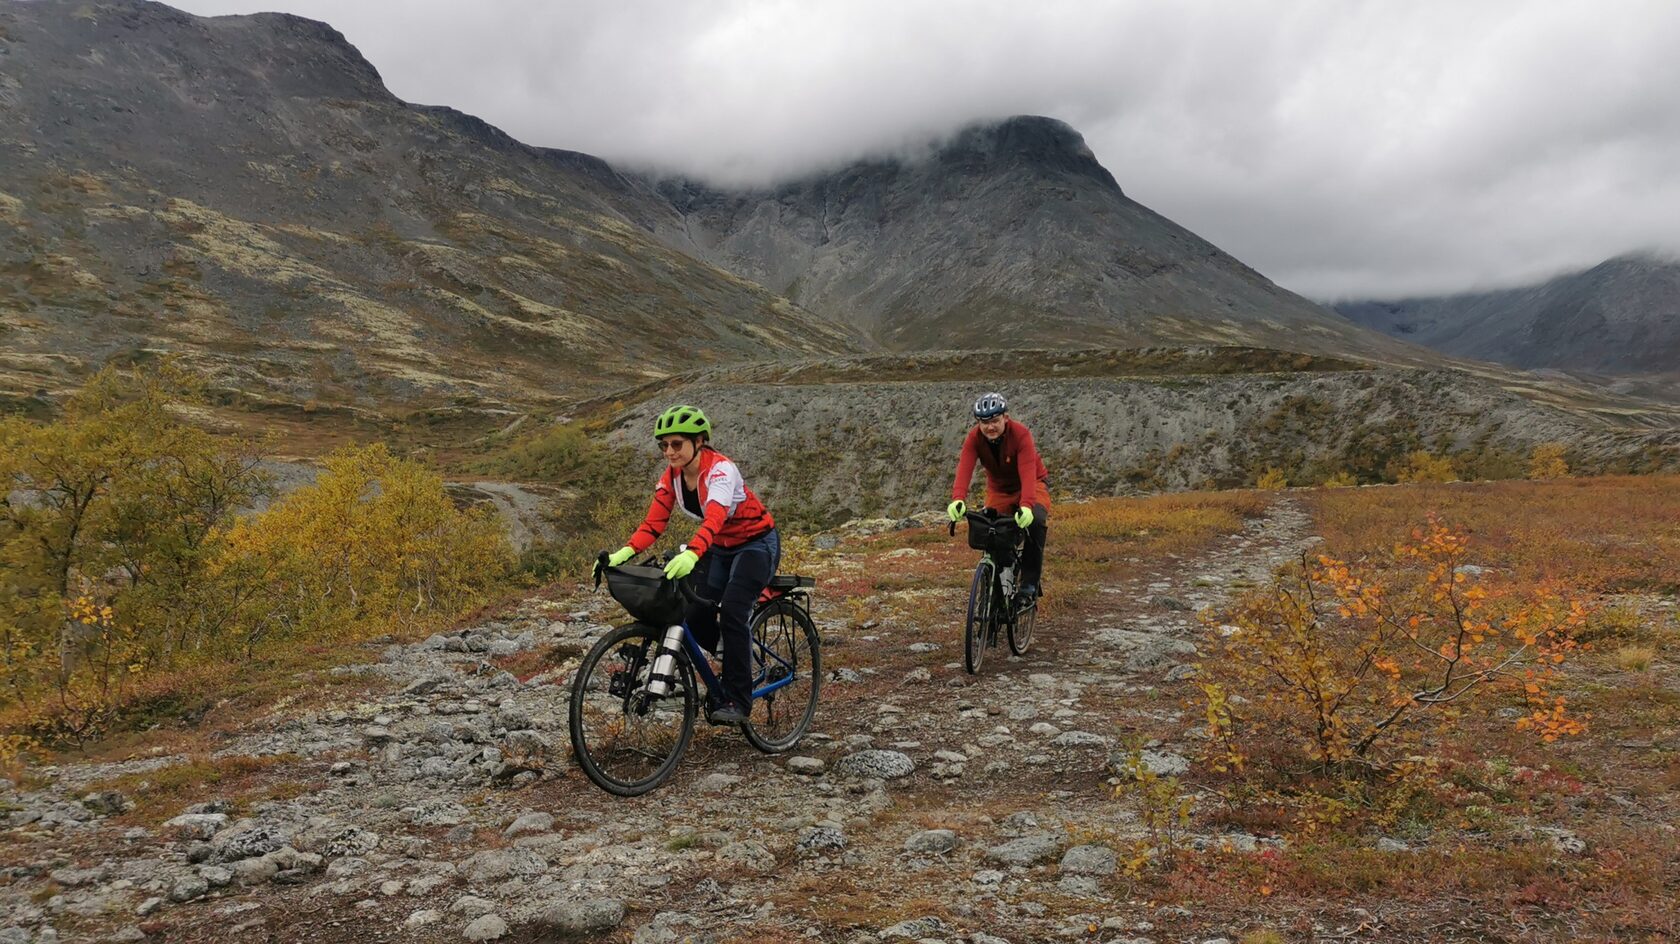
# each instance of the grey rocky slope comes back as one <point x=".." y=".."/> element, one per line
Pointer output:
<point x="1009" y="235"/>
<point x="1619" y="317"/>
<point x="841" y="445"/>
<point x="245" y="190"/>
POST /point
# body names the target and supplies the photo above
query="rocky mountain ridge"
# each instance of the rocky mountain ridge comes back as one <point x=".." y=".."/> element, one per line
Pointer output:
<point x="1621" y="316"/>
<point x="1010" y="234"/>
<point x="244" y="191"/>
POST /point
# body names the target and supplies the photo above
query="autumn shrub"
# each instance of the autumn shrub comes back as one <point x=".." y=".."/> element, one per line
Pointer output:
<point x="1338" y="667"/>
<point x="1547" y="462"/>
<point x="1422" y="466"/>
<point x="1163" y="810"/>
<point x="1341" y="480"/>
<point x="124" y="558"/>
<point x="375" y="540"/>
<point x="1272" y="479"/>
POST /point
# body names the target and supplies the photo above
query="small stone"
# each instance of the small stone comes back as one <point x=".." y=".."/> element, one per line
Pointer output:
<point x="1089" y="860"/>
<point x="1079" y="739"/>
<point x="148" y="906"/>
<point x="917" y="929"/>
<point x="1387" y="844"/>
<point x="188" y="887"/>
<point x="530" y="823"/>
<point x="1027" y="851"/>
<point x="216" y="875"/>
<point x="437" y="813"/>
<point x="255" y="871"/>
<point x="589" y="916"/>
<point x="821" y="839"/>
<point x="487" y="927"/>
<point x="472" y="906"/>
<point x="717" y="782"/>
<point x="420" y="919"/>
<point x="932" y="842"/>
<point x="880" y="765"/>
<point x="196" y="825"/>
<point x="806" y="765"/>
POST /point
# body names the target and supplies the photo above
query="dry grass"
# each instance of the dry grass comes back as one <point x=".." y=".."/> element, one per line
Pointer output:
<point x="161" y="794"/>
<point x="1636" y="658"/>
<point x="1592" y="534"/>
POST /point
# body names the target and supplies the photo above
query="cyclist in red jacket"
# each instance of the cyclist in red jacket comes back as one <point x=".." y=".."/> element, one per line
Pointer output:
<point x="1014" y="480"/>
<point x="736" y="538"/>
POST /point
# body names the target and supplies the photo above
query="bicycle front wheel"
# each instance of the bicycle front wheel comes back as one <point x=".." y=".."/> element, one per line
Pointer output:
<point x="978" y="629"/>
<point x="627" y="739"/>
<point x="1021" y="627"/>
<point x="786" y="650"/>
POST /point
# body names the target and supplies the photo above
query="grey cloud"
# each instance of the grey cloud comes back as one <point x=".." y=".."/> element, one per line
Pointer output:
<point x="1344" y="149"/>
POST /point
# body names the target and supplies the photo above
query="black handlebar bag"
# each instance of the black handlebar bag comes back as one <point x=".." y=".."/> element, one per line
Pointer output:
<point x="646" y="595"/>
<point x="995" y="536"/>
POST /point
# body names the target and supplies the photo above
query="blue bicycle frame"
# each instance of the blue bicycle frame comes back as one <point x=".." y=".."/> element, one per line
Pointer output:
<point x="698" y="658"/>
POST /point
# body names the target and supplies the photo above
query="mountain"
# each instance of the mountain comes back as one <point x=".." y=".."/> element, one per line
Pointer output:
<point x="1621" y="316"/>
<point x="1009" y="234"/>
<point x="245" y="191"/>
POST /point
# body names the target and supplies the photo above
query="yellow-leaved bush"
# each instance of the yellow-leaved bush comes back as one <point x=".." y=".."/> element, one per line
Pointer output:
<point x="1334" y="659"/>
<point x="123" y="553"/>
<point x="376" y="538"/>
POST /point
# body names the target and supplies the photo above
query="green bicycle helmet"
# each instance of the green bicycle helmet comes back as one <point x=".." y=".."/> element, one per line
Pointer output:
<point x="688" y="420"/>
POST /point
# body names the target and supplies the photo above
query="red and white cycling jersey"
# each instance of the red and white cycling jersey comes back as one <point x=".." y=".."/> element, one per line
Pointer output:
<point x="731" y="514"/>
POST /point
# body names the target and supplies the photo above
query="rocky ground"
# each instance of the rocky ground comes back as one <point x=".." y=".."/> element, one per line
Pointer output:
<point x="925" y="805"/>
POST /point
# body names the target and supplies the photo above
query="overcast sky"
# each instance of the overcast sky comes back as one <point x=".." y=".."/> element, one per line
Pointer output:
<point x="1345" y="148"/>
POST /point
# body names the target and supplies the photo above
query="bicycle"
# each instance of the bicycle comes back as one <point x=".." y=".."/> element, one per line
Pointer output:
<point x="994" y="597"/>
<point x="634" y="698"/>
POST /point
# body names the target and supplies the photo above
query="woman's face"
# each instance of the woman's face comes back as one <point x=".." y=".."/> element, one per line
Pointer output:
<point x="993" y="428"/>
<point x="678" y="450"/>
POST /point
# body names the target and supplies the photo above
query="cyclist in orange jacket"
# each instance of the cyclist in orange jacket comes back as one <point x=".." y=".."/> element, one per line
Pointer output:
<point x="734" y="551"/>
<point x="1015" y="480"/>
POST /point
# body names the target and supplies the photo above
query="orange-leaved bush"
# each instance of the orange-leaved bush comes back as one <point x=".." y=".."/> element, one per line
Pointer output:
<point x="1333" y="660"/>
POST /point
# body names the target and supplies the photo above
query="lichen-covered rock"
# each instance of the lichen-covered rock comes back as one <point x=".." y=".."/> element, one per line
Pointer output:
<point x="879" y="764"/>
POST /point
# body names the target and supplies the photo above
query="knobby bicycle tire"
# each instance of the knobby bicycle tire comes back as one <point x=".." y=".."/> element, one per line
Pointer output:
<point x="626" y="742"/>
<point x="784" y="641"/>
<point x="1021" y="626"/>
<point x="978" y="628"/>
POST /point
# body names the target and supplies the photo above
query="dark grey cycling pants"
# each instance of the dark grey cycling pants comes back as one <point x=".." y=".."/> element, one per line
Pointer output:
<point x="734" y="577"/>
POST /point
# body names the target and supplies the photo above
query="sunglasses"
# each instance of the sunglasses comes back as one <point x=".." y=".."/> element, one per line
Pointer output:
<point x="672" y="445"/>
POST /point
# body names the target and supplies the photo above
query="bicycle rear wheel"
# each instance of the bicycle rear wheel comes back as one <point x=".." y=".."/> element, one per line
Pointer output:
<point x="978" y="629"/>
<point x="785" y="647"/>
<point x="628" y="740"/>
<point x="1021" y="627"/>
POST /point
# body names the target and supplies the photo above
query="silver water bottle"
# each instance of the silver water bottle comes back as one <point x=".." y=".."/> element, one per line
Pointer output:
<point x="665" y="666"/>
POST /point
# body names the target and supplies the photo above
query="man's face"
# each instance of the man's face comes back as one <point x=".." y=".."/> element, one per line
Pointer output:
<point x="993" y="428"/>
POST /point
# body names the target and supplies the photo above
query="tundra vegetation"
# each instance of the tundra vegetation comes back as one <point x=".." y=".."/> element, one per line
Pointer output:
<point x="134" y="568"/>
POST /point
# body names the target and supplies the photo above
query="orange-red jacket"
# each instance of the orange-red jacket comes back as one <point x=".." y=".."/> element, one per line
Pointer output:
<point x="733" y="515"/>
<point x="1014" y="472"/>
